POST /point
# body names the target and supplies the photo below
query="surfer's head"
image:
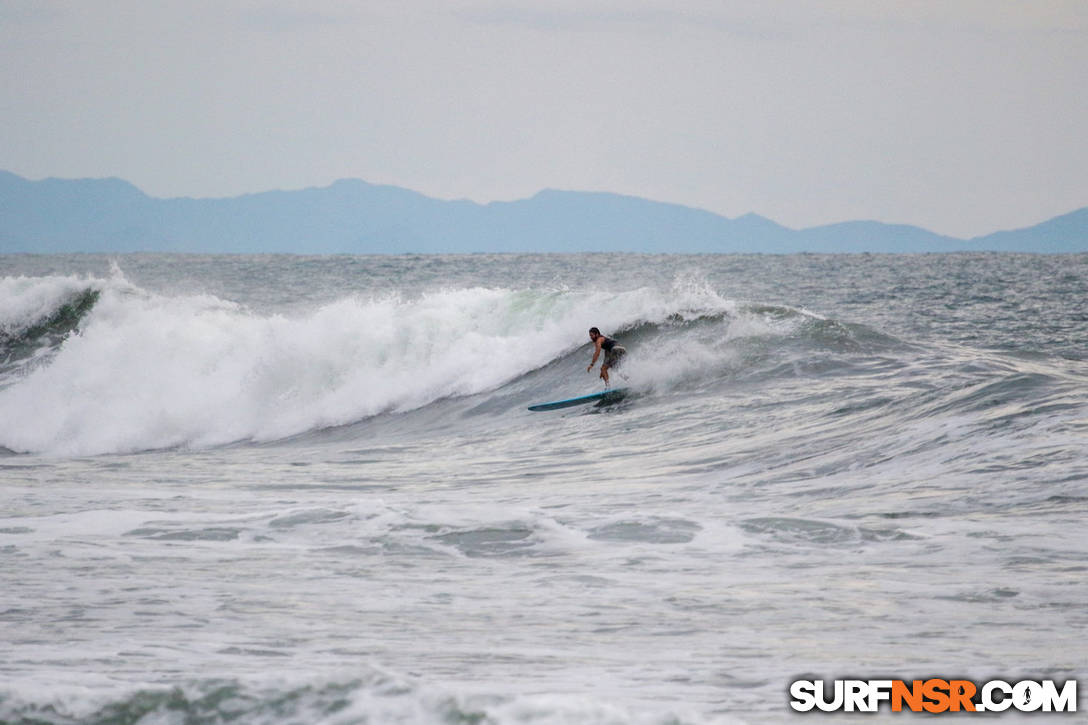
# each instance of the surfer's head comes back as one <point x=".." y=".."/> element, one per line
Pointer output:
<point x="594" y="333"/>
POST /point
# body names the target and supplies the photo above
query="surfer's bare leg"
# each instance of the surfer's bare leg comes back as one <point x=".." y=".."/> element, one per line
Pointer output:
<point x="604" y="373"/>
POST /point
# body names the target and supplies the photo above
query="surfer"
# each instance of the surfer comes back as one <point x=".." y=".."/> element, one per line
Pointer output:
<point x="613" y="352"/>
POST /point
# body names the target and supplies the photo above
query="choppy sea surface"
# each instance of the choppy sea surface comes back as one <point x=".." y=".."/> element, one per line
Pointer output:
<point x="307" y="489"/>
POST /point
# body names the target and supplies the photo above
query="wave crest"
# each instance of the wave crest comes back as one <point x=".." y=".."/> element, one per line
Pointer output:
<point x="149" y="371"/>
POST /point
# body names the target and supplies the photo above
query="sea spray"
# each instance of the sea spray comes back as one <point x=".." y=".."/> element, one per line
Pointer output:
<point x="149" y="371"/>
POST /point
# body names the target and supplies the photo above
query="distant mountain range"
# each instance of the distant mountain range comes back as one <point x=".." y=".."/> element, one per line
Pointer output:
<point x="111" y="215"/>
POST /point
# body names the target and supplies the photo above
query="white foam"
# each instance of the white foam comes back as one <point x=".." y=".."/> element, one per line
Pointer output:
<point x="375" y="696"/>
<point x="149" y="371"/>
<point x="26" y="301"/>
<point x="693" y="353"/>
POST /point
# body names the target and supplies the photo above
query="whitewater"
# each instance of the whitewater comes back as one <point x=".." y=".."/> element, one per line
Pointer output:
<point x="270" y="489"/>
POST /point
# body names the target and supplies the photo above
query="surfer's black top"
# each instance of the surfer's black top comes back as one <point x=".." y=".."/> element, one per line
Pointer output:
<point x="607" y="344"/>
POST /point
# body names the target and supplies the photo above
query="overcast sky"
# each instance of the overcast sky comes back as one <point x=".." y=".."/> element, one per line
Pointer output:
<point x="961" y="116"/>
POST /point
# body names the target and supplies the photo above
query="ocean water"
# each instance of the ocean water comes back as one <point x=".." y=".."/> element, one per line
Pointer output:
<point x="307" y="489"/>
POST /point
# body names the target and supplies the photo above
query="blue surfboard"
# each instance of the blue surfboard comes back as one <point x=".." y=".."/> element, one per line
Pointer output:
<point x="605" y="396"/>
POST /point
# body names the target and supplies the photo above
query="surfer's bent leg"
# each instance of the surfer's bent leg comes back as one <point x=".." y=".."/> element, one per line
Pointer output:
<point x="612" y="358"/>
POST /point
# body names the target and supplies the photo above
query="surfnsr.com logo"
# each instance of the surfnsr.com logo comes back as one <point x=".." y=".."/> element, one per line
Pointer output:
<point x="933" y="696"/>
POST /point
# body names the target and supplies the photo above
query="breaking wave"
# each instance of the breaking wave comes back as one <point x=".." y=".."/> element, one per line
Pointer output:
<point x="92" y="366"/>
<point x="114" y="368"/>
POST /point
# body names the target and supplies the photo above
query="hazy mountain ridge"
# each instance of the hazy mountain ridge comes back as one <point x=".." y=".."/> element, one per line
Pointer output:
<point x="353" y="216"/>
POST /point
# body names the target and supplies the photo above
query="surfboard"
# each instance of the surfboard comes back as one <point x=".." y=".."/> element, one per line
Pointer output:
<point x="613" y="395"/>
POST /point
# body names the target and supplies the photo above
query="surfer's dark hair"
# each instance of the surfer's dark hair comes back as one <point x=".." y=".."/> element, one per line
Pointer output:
<point x="595" y="330"/>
